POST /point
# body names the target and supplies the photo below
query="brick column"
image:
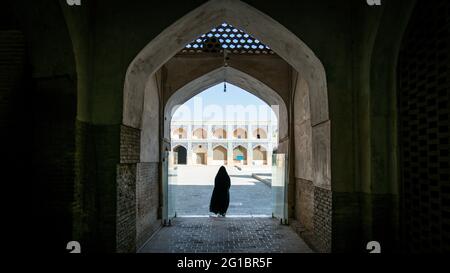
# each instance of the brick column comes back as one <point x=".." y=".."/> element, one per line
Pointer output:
<point x="230" y="153"/>
<point x="250" y="154"/>
<point x="209" y="153"/>
<point x="190" y="155"/>
<point x="209" y="133"/>
<point x="269" y="152"/>
<point x="249" y="131"/>
<point x="189" y="131"/>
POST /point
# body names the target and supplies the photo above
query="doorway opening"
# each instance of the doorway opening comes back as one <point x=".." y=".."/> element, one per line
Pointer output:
<point x="180" y="155"/>
<point x="159" y="78"/>
<point x="206" y="120"/>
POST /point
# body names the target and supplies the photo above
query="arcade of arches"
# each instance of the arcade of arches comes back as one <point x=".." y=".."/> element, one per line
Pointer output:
<point x="214" y="136"/>
<point x="347" y="79"/>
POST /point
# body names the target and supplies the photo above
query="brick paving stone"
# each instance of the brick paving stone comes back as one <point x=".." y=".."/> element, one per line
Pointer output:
<point x="231" y="235"/>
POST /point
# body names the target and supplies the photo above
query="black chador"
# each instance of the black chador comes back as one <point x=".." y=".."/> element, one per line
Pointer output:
<point x="220" y="198"/>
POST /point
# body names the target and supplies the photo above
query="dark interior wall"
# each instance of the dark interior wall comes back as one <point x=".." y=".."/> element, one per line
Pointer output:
<point x="13" y="69"/>
<point x="43" y="86"/>
<point x="98" y="143"/>
<point x="371" y="212"/>
<point x="424" y="88"/>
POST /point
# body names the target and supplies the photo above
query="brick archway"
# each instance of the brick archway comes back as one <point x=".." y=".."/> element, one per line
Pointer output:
<point x="141" y="111"/>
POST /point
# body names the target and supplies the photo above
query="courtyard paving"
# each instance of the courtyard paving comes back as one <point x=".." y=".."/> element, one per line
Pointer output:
<point x="248" y="227"/>
<point x="194" y="185"/>
<point x="225" y="235"/>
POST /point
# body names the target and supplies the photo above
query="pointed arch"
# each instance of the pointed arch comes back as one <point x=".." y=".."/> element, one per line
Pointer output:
<point x="179" y="133"/>
<point x="287" y="45"/>
<point x="220" y="133"/>
<point x="180" y="156"/>
<point x="240" y="155"/>
<point x="179" y="145"/>
<point x="259" y="133"/>
<point x="199" y="133"/>
<point x="260" y="155"/>
<point x="240" y="132"/>
<point x="235" y="77"/>
<point x="220" y="154"/>
<point x="141" y="108"/>
<point x="217" y="145"/>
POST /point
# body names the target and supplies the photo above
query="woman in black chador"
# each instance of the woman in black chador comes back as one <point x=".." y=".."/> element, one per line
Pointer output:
<point x="220" y="198"/>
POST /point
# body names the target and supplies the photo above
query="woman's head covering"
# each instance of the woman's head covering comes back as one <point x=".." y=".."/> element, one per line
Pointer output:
<point x="222" y="177"/>
<point x="222" y="171"/>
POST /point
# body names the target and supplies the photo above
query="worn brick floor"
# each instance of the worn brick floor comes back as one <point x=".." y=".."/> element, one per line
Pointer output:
<point x="226" y="235"/>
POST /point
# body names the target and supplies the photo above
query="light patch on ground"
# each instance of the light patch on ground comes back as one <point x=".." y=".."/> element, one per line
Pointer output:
<point x="193" y="187"/>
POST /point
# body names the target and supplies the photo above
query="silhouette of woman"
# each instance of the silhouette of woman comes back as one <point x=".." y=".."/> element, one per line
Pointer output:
<point x="220" y="198"/>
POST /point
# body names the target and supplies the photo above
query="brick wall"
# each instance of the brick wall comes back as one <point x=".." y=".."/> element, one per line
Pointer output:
<point x="304" y="207"/>
<point x="322" y="219"/>
<point x="126" y="208"/>
<point x="147" y="201"/>
<point x="313" y="213"/>
<point x="50" y="130"/>
<point x="138" y="194"/>
<point x="347" y="223"/>
<point x="126" y="189"/>
<point x="423" y="101"/>
<point x="97" y="158"/>
<point x="12" y="56"/>
<point x="130" y="144"/>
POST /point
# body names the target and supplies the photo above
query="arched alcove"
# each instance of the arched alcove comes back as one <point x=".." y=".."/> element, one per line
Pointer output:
<point x="220" y="155"/>
<point x="240" y="155"/>
<point x="179" y="133"/>
<point x="199" y="133"/>
<point x="220" y="133"/>
<point x="180" y="157"/>
<point x="240" y="133"/>
<point x="259" y="133"/>
<point x="260" y="155"/>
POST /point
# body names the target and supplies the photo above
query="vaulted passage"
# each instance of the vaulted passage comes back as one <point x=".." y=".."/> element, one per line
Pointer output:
<point x="359" y="152"/>
<point x="227" y="54"/>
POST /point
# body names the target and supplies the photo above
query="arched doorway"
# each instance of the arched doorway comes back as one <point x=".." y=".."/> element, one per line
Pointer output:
<point x="195" y="182"/>
<point x="259" y="156"/>
<point x="140" y="86"/>
<point x="200" y="154"/>
<point x="240" y="155"/>
<point x="180" y="157"/>
<point x="220" y="155"/>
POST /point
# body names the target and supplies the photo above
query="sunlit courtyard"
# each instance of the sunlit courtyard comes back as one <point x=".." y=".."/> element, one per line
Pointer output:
<point x="193" y="187"/>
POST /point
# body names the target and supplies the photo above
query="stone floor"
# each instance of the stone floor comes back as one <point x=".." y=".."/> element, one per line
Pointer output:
<point x="193" y="187"/>
<point x="225" y="235"/>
